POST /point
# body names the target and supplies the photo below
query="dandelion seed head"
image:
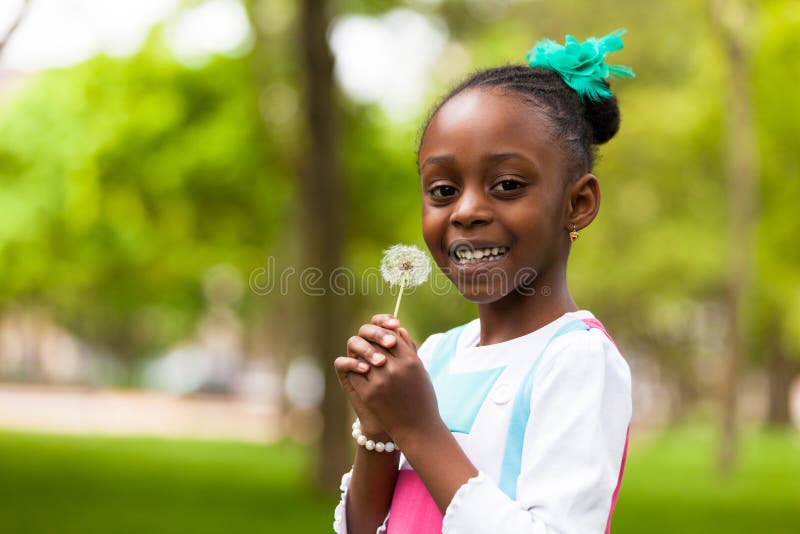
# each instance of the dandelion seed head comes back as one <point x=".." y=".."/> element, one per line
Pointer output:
<point x="405" y="264"/>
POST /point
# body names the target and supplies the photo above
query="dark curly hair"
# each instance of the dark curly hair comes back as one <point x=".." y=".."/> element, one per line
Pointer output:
<point x="578" y="125"/>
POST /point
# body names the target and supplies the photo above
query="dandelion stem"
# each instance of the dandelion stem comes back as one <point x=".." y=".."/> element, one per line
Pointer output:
<point x="403" y="278"/>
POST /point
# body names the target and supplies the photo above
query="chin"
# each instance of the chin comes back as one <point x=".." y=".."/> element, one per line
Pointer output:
<point x="482" y="299"/>
<point x="481" y="295"/>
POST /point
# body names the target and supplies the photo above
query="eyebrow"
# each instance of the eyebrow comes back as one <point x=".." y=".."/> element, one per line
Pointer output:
<point x="437" y="160"/>
<point x="502" y="156"/>
<point x="506" y="155"/>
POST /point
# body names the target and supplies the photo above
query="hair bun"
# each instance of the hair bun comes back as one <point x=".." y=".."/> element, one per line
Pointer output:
<point x="603" y="118"/>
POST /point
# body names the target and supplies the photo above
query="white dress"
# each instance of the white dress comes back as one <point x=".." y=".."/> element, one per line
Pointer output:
<point x="544" y="418"/>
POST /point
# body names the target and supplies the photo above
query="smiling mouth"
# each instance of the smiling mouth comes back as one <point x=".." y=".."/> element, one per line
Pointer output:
<point x="465" y="254"/>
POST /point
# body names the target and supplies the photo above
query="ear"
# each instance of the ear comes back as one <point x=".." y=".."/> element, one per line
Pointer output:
<point x="583" y="196"/>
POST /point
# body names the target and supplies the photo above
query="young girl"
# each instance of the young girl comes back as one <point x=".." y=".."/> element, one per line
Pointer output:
<point x="517" y="421"/>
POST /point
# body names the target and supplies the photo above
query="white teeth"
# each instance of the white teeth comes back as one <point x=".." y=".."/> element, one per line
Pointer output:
<point x="486" y="254"/>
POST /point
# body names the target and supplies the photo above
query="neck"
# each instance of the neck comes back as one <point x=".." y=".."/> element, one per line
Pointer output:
<point x="516" y="314"/>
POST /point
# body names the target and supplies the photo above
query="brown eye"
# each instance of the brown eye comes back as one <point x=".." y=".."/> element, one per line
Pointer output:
<point x="507" y="185"/>
<point x="442" y="191"/>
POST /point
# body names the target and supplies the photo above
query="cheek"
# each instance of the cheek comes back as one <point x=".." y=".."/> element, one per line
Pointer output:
<point x="430" y="235"/>
<point x="532" y="230"/>
<point x="434" y="226"/>
<point x="540" y="231"/>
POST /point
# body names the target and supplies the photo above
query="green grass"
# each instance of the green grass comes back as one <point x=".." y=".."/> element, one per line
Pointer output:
<point x="66" y="484"/>
<point x="671" y="486"/>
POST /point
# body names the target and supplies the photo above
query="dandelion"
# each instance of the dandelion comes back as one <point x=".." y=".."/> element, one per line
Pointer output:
<point x="406" y="266"/>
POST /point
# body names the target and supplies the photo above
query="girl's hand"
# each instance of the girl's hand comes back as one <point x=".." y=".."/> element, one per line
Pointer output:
<point x="397" y="390"/>
<point x="361" y="355"/>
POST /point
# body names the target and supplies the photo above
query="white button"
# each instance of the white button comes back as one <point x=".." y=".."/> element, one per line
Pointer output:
<point x="501" y="394"/>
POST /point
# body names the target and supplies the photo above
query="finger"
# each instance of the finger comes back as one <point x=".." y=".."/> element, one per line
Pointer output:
<point x="376" y="334"/>
<point x="345" y="364"/>
<point x="359" y="347"/>
<point x="385" y="320"/>
<point x="357" y="382"/>
<point x="405" y="336"/>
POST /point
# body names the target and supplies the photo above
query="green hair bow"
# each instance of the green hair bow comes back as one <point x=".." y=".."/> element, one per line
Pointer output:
<point x="581" y="65"/>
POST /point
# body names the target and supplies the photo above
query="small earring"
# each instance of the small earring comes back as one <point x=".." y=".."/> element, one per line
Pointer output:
<point x="573" y="235"/>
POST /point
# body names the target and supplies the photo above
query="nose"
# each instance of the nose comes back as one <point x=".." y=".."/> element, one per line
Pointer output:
<point x="471" y="209"/>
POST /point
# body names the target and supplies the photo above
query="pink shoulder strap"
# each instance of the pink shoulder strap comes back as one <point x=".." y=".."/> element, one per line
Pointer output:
<point x="594" y="323"/>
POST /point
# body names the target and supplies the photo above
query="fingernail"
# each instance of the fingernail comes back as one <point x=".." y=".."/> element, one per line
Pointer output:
<point x="378" y="358"/>
<point x="363" y="366"/>
<point x="387" y="339"/>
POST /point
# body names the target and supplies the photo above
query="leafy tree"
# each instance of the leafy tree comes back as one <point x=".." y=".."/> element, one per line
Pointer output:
<point x="124" y="180"/>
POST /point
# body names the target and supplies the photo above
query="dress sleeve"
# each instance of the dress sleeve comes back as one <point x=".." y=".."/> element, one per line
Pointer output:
<point x="573" y="448"/>
<point x="340" y="513"/>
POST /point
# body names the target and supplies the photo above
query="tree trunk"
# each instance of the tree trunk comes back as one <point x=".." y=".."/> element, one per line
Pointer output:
<point x="730" y="18"/>
<point x="780" y="372"/>
<point x="323" y="232"/>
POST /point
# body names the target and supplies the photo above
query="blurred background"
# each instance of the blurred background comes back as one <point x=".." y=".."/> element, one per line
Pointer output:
<point x="195" y="196"/>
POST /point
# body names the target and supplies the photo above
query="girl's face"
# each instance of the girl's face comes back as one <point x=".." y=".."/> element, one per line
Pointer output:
<point x="493" y="194"/>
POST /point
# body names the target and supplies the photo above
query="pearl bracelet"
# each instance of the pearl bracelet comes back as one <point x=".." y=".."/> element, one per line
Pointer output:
<point x="377" y="446"/>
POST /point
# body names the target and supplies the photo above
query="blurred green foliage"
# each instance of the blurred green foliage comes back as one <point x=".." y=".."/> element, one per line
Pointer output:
<point x="777" y="66"/>
<point x="122" y="181"/>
